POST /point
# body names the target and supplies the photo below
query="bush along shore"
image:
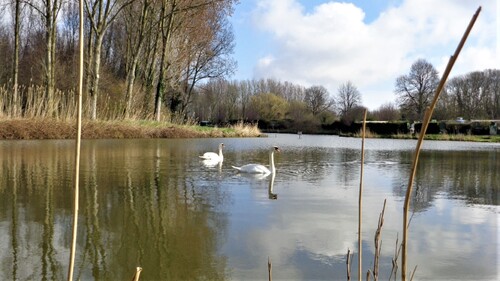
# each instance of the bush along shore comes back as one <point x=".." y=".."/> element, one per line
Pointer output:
<point x="474" y="130"/>
<point x="46" y="128"/>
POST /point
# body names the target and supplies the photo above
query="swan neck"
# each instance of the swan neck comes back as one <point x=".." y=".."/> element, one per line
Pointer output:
<point x="271" y="162"/>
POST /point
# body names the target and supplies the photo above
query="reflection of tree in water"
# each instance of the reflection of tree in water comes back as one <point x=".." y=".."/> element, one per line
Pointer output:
<point x="28" y="187"/>
<point x="468" y="175"/>
<point x="474" y="176"/>
<point x="161" y="220"/>
<point x="135" y="210"/>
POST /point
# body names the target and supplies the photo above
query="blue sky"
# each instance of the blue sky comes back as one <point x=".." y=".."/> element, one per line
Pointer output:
<point x="370" y="43"/>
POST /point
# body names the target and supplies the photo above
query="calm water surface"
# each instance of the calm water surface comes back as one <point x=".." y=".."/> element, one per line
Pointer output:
<point x="154" y="204"/>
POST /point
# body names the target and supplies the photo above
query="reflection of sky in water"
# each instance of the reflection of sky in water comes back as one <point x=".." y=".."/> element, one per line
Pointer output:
<point x="308" y="230"/>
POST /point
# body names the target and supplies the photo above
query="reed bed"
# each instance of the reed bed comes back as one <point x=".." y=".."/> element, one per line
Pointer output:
<point x="33" y="103"/>
<point x="50" y="128"/>
<point x="247" y="130"/>
<point x="36" y="118"/>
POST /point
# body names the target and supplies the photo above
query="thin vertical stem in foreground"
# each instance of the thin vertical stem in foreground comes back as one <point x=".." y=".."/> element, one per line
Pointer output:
<point x="360" y="205"/>
<point x="348" y="264"/>
<point x="425" y="124"/>
<point x="137" y="274"/>
<point x="269" y="269"/>
<point x="378" y="242"/>
<point x="77" y="149"/>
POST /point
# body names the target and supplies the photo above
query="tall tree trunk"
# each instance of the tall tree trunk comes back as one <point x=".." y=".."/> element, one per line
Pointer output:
<point x="15" y="70"/>
<point x="89" y="60"/>
<point x="150" y="74"/>
<point x="136" y="51"/>
<point x="130" y="87"/>
<point x="160" y="86"/>
<point x="163" y="63"/>
<point x="100" y="14"/>
<point x="48" y="56"/>
<point x="96" y="64"/>
<point x="51" y="10"/>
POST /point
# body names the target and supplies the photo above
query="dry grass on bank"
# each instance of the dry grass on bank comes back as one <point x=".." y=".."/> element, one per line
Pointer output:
<point x="438" y="137"/>
<point x="27" y="129"/>
<point x="247" y="130"/>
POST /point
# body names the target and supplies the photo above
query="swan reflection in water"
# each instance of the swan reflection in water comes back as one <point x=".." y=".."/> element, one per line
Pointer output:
<point x="272" y="196"/>
<point x="212" y="164"/>
<point x="257" y="178"/>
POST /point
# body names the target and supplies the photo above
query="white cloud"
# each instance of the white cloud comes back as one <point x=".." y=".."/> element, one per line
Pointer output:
<point x="332" y="43"/>
<point x="265" y="61"/>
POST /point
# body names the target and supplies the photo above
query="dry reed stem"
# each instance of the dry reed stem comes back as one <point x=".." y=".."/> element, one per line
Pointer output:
<point x="348" y="264"/>
<point x="137" y="273"/>
<point x="77" y="149"/>
<point x="413" y="273"/>
<point x="360" y="201"/>
<point x="378" y="242"/>
<point x="425" y="124"/>
<point x="269" y="269"/>
<point x="397" y="251"/>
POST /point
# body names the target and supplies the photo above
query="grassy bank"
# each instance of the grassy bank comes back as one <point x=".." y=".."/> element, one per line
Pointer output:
<point x="440" y="137"/>
<point x="45" y="128"/>
<point x="452" y="137"/>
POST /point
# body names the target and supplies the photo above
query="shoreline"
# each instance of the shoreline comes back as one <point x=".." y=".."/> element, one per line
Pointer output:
<point x="435" y="137"/>
<point x="43" y="129"/>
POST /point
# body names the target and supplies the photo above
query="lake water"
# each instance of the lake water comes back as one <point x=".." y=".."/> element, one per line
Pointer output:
<point x="154" y="204"/>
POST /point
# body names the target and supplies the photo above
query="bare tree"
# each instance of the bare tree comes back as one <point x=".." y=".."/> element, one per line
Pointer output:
<point x="348" y="97"/>
<point x="386" y="112"/>
<point x="318" y="99"/>
<point x="206" y="46"/>
<point x="101" y="14"/>
<point x="49" y="10"/>
<point x="166" y="23"/>
<point x="415" y="90"/>
<point x="470" y="94"/>
<point x="492" y="90"/>
<point x="137" y="25"/>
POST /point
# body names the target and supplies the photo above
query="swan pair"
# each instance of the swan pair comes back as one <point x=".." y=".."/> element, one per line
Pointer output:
<point x="248" y="168"/>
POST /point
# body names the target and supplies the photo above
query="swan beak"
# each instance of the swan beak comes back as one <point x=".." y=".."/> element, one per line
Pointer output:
<point x="277" y="149"/>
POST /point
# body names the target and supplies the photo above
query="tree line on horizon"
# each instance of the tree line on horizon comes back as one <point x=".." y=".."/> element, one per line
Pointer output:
<point x="172" y="59"/>
<point x="475" y="95"/>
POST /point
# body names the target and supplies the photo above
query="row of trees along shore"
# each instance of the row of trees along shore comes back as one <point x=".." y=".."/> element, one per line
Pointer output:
<point x="142" y="57"/>
<point x="171" y="60"/>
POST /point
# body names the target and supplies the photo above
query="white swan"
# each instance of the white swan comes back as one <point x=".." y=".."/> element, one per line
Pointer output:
<point x="212" y="156"/>
<point x="260" y="169"/>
